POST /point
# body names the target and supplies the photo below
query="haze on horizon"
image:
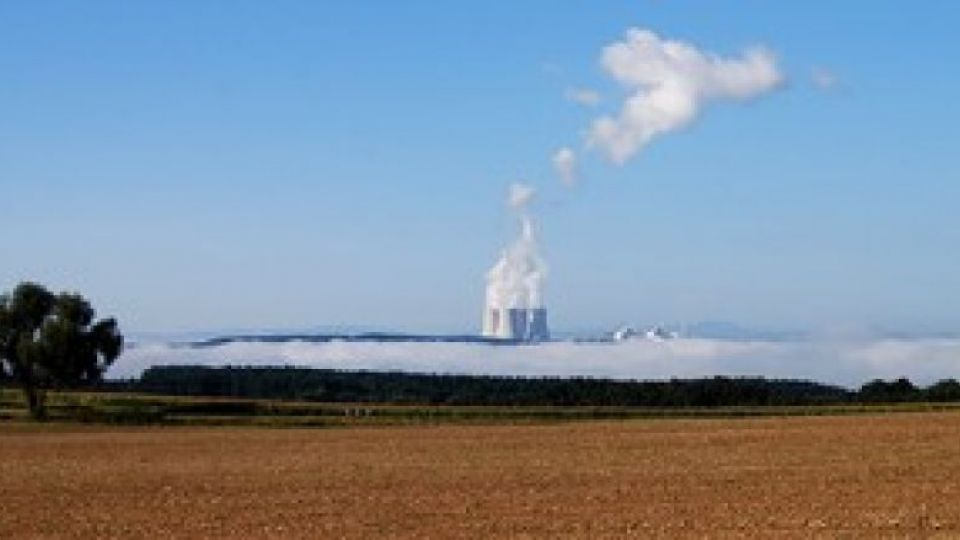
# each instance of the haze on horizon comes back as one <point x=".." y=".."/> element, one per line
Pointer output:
<point x="237" y="165"/>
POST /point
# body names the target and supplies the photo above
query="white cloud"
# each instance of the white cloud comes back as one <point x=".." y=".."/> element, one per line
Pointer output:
<point x="669" y="82"/>
<point x="848" y="363"/>
<point x="823" y="78"/>
<point x="520" y="195"/>
<point x="565" y="163"/>
<point x="583" y="96"/>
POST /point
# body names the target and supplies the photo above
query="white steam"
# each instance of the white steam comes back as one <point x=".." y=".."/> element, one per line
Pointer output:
<point x="565" y="163"/>
<point x="516" y="280"/>
<point x="583" y="96"/>
<point x="823" y="78"/>
<point x="520" y="195"/>
<point x="669" y="82"/>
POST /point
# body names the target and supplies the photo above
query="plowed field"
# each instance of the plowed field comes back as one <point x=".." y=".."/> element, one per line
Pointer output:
<point x="855" y="476"/>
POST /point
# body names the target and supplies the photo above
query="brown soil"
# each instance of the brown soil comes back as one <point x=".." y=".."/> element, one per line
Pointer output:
<point x="858" y="476"/>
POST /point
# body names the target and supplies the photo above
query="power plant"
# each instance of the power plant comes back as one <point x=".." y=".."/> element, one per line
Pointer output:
<point x="516" y="324"/>
<point x="514" y="307"/>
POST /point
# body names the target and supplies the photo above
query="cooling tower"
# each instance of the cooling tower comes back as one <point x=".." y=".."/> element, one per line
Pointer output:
<point x="514" y="293"/>
<point x="537" y="325"/>
<point x="519" y="324"/>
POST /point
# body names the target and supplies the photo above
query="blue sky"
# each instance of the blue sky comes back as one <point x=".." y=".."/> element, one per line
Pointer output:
<point x="203" y="165"/>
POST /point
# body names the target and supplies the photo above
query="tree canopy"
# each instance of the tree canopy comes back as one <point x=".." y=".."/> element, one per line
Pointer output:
<point x="327" y="385"/>
<point x="52" y="340"/>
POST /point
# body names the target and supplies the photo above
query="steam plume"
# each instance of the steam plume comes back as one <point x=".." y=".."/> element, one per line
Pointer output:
<point x="583" y="96"/>
<point x="565" y="163"/>
<point x="516" y="280"/>
<point x="824" y="79"/>
<point x="669" y="82"/>
<point x="519" y="196"/>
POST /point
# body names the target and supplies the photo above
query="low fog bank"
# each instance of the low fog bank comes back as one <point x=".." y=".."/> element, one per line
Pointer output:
<point x="847" y="363"/>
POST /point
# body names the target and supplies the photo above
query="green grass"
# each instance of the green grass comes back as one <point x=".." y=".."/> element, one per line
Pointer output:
<point x="143" y="409"/>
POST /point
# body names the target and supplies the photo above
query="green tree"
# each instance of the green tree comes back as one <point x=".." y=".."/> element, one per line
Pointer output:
<point x="944" y="390"/>
<point x="880" y="391"/>
<point x="50" y="341"/>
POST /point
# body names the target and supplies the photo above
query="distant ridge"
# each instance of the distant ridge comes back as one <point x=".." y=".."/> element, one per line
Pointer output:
<point x="371" y="337"/>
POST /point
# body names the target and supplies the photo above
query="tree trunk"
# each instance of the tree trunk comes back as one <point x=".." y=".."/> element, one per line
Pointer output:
<point x="35" y="402"/>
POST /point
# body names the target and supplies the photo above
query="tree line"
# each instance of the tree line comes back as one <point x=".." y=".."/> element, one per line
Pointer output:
<point x="410" y="388"/>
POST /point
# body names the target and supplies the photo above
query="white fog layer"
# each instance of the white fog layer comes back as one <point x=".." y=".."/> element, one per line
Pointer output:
<point x="848" y="363"/>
